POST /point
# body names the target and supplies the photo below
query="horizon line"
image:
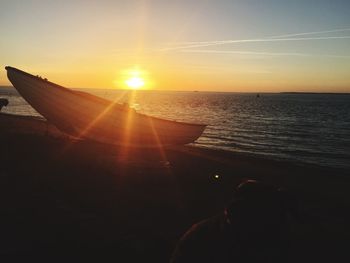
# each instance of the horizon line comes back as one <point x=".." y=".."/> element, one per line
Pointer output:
<point x="212" y="91"/>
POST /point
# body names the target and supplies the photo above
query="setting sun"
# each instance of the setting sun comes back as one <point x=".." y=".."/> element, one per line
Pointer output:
<point x="134" y="78"/>
<point x="135" y="82"/>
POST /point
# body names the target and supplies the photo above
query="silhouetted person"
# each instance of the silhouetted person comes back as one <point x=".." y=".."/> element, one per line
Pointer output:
<point x="253" y="228"/>
<point x="3" y="102"/>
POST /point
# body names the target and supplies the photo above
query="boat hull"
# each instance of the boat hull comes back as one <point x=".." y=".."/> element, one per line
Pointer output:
<point x="86" y="116"/>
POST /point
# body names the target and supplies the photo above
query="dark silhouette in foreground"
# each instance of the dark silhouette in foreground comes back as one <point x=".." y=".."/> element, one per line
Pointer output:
<point x="3" y="102"/>
<point x="253" y="228"/>
<point x="94" y="201"/>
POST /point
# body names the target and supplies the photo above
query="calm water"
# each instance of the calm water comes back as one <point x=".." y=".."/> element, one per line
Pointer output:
<point x="309" y="128"/>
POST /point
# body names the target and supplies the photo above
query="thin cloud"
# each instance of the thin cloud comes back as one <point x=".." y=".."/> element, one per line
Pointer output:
<point x="312" y="33"/>
<point x="216" y="43"/>
<point x="263" y="53"/>
<point x="246" y="53"/>
<point x="277" y="36"/>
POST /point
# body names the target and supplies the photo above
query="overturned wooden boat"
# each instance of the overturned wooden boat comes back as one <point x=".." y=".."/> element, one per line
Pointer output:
<point x="86" y="116"/>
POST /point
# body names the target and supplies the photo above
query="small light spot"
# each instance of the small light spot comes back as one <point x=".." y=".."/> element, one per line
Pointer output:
<point x="216" y="176"/>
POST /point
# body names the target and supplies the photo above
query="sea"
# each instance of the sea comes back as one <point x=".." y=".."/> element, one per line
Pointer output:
<point x="303" y="128"/>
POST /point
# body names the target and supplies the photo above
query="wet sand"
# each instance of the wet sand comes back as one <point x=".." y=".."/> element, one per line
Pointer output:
<point x="60" y="196"/>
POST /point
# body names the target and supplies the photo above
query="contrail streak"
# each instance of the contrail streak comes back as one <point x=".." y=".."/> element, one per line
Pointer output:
<point x="268" y="37"/>
<point x="264" y="53"/>
<point x="312" y="33"/>
<point x="247" y="53"/>
<point x="216" y="43"/>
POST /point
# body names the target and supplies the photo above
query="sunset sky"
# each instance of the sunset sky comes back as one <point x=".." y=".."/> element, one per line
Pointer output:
<point x="233" y="45"/>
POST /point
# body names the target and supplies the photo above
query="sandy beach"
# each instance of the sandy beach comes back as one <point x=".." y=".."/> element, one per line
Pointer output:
<point x="61" y="196"/>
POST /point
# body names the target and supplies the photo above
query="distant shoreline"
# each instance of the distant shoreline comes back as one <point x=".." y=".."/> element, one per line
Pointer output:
<point x="315" y="93"/>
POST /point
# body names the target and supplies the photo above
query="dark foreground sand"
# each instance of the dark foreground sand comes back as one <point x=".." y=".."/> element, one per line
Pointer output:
<point x="62" y="198"/>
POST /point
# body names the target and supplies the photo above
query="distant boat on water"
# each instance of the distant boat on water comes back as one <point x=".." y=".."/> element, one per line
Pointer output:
<point x="86" y="116"/>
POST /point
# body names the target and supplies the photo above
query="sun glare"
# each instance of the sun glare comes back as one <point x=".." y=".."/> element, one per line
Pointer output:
<point x="135" y="82"/>
<point x="134" y="78"/>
